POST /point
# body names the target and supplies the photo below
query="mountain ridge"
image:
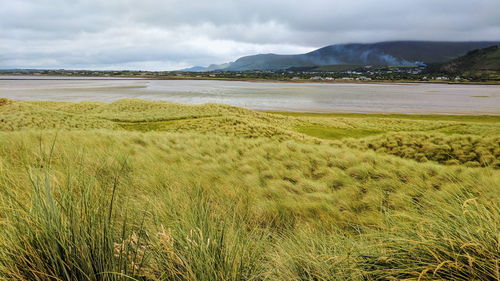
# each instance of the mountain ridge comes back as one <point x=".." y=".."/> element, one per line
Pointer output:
<point x="390" y="53"/>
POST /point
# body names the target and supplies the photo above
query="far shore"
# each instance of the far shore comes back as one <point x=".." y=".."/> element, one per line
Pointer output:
<point x="339" y="81"/>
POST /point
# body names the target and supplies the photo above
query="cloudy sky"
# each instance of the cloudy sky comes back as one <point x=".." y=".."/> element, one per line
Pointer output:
<point x="173" y="34"/>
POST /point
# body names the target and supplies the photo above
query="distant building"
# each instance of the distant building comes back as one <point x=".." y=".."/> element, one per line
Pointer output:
<point x="363" y="78"/>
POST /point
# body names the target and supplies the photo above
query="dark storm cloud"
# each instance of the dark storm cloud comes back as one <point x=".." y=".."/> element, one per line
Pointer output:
<point x="159" y="34"/>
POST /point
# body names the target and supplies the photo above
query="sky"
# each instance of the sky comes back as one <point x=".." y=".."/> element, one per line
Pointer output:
<point x="173" y="34"/>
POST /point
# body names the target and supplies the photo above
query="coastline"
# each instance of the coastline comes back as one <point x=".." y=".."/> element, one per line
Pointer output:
<point x="388" y="82"/>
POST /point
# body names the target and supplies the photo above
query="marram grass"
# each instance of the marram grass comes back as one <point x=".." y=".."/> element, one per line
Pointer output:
<point x="473" y="151"/>
<point x="174" y="192"/>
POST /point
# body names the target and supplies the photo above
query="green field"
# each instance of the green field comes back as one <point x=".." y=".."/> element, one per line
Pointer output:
<point x="143" y="190"/>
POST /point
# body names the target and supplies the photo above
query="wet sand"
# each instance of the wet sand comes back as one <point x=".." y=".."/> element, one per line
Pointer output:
<point x="412" y="98"/>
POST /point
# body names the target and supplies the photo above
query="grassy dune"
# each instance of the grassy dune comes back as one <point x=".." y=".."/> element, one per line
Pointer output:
<point x="161" y="191"/>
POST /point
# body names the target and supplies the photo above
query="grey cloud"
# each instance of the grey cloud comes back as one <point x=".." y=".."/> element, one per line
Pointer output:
<point x="165" y="34"/>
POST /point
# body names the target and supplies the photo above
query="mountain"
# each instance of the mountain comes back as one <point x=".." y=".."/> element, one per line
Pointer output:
<point x="211" y="67"/>
<point x="487" y="59"/>
<point x="395" y="53"/>
<point x="193" y="69"/>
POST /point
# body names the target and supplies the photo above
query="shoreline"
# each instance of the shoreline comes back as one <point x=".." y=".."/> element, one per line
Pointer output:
<point x="110" y="78"/>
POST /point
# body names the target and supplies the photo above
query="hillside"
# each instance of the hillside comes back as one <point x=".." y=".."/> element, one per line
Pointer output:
<point x="487" y="59"/>
<point x="159" y="191"/>
<point x="398" y="53"/>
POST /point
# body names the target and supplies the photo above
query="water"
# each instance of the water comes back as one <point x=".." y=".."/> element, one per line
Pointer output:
<point x="306" y="97"/>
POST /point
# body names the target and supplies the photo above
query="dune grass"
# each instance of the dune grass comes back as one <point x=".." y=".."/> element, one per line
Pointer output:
<point x="429" y="117"/>
<point x="332" y="133"/>
<point x="473" y="151"/>
<point x="222" y="193"/>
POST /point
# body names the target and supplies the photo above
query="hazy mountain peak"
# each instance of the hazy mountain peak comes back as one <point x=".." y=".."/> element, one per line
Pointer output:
<point x="391" y="53"/>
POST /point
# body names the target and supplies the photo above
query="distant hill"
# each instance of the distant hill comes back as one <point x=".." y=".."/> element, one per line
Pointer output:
<point x="193" y="69"/>
<point x="486" y="59"/>
<point x="396" y="53"/>
<point x="211" y="67"/>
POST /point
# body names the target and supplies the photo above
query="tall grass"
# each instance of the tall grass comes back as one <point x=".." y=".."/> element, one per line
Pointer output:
<point x="473" y="151"/>
<point x="239" y="196"/>
<point x="67" y="231"/>
<point x="458" y="240"/>
<point x="316" y="254"/>
<point x="200" y="244"/>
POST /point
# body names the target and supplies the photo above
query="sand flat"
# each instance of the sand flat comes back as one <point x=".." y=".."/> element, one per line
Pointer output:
<point x="417" y="98"/>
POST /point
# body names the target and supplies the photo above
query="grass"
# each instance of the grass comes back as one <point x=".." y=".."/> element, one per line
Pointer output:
<point x="164" y="191"/>
<point x="331" y="133"/>
<point x="435" y="117"/>
<point x="472" y="151"/>
<point x="67" y="232"/>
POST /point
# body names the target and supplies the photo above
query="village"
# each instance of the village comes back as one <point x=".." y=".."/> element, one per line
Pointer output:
<point x="361" y="73"/>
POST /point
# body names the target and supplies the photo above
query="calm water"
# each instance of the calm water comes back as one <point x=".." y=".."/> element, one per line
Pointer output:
<point x="310" y="97"/>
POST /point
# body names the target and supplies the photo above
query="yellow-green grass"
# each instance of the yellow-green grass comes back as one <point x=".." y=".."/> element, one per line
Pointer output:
<point x="221" y="193"/>
<point x="376" y="123"/>
<point x="148" y="115"/>
<point x="435" y="117"/>
<point x="473" y="151"/>
<point x="326" y="132"/>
